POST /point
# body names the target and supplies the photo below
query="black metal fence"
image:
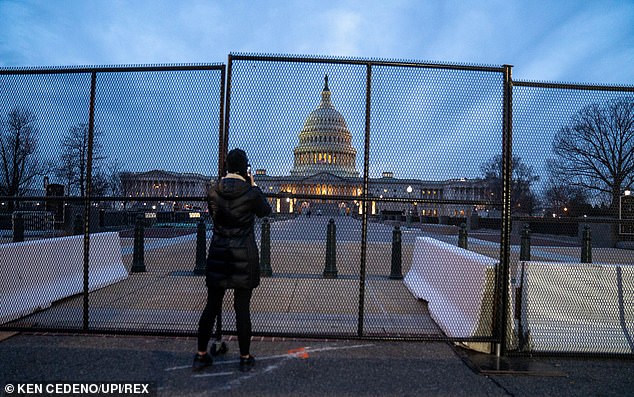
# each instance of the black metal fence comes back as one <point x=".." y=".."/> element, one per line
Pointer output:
<point x="380" y="174"/>
<point x="106" y="146"/>
<point x="362" y="142"/>
<point x="575" y="294"/>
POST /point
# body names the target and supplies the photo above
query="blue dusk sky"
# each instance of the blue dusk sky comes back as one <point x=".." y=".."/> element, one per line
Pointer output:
<point x="574" y="41"/>
<point x="440" y="135"/>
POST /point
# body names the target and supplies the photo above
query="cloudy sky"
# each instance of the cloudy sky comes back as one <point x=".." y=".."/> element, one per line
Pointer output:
<point x="450" y="122"/>
<point x="564" y="40"/>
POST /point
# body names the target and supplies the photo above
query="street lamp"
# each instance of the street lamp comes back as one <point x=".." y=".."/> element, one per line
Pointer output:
<point x="408" y="217"/>
<point x="626" y="211"/>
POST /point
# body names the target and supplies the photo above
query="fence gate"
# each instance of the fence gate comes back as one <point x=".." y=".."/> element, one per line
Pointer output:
<point x="402" y="208"/>
<point x="384" y="154"/>
<point x="574" y="287"/>
<point x="107" y="152"/>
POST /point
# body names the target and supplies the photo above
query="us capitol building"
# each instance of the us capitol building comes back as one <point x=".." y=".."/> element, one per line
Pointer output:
<point x="324" y="165"/>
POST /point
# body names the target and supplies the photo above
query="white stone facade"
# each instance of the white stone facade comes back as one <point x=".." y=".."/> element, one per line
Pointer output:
<point x="325" y="143"/>
<point x="166" y="184"/>
<point x="325" y="165"/>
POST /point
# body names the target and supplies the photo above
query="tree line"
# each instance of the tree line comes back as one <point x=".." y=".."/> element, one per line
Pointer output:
<point x="23" y="165"/>
<point x="592" y="162"/>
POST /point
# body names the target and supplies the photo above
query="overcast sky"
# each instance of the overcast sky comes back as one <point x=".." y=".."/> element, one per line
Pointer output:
<point x="451" y="122"/>
<point x="572" y="41"/>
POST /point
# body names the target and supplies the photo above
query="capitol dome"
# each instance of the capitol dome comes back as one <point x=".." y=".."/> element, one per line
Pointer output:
<point x="325" y="143"/>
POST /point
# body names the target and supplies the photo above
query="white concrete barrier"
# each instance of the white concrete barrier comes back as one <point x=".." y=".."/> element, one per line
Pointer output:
<point x="577" y="307"/>
<point x="458" y="286"/>
<point x="34" y="274"/>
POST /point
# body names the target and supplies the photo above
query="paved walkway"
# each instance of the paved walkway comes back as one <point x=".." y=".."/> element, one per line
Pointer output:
<point x="296" y="300"/>
<point x="167" y="297"/>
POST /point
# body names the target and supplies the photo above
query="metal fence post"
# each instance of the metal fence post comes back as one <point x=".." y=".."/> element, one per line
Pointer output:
<point x="462" y="236"/>
<point x="502" y="279"/>
<point x="201" y="248"/>
<point x="18" y="228"/>
<point x="396" y="270"/>
<point x="138" y="260"/>
<point x="265" y="249"/>
<point x="330" y="271"/>
<point x="586" y="245"/>
<point x="525" y="247"/>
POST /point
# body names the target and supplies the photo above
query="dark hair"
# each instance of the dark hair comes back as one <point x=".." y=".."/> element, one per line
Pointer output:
<point x="237" y="162"/>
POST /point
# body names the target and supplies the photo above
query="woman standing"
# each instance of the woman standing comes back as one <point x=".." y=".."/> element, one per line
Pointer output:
<point x="233" y="260"/>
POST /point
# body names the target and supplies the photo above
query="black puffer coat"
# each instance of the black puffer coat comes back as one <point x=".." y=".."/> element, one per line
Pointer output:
<point x="233" y="260"/>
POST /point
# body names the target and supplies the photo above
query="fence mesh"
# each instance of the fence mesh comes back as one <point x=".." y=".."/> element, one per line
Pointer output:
<point x="37" y="112"/>
<point x="386" y="181"/>
<point x="575" y="143"/>
<point x="154" y="146"/>
<point x="303" y="124"/>
<point x="274" y="106"/>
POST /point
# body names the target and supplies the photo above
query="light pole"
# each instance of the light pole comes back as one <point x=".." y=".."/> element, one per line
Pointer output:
<point x="626" y="201"/>
<point x="408" y="216"/>
<point x="290" y="205"/>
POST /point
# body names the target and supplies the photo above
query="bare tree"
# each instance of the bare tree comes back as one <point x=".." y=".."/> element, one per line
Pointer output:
<point x="566" y="200"/>
<point x="595" y="150"/>
<point x="523" y="199"/>
<point x="73" y="164"/>
<point x="114" y="178"/>
<point x="18" y="152"/>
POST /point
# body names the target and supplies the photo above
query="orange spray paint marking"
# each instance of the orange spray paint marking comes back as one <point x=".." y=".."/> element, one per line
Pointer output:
<point x="299" y="353"/>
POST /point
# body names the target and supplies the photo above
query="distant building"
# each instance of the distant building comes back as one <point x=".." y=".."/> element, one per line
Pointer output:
<point x="325" y="143"/>
<point x="159" y="183"/>
<point x="324" y="162"/>
<point x="324" y="165"/>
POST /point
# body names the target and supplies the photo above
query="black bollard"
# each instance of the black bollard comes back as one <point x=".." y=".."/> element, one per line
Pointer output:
<point x="18" y="228"/>
<point x="525" y="247"/>
<point x="138" y="261"/>
<point x="201" y="248"/>
<point x="330" y="271"/>
<point x="396" y="271"/>
<point x="78" y="225"/>
<point x="586" y="245"/>
<point x="462" y="236"/>
<point x="265" y="249"/>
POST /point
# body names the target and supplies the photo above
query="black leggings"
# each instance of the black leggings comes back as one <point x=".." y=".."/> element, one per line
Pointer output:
<point x="241" y="305"/>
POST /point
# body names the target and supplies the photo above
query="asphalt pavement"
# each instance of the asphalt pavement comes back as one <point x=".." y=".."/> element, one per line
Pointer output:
<point x="296" y="367"/>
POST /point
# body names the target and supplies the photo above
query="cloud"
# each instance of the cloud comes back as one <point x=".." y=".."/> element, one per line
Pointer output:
<point x="344" y="35"/>
<point x="569" y="50"/>
<point x="570" y="41"/>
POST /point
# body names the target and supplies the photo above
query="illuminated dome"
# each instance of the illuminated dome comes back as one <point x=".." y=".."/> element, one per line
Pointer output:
<point x="325" y="143"/>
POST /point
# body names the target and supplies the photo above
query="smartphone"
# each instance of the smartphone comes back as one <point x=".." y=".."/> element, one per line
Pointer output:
<point x="248" y="170"/>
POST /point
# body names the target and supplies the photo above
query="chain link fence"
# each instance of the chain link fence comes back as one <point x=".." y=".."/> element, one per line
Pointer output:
<point x="410" y="200"/>
<point x="381" y="151"/>
<point x="107" y="151"/>
<point x="573" y="285"/>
